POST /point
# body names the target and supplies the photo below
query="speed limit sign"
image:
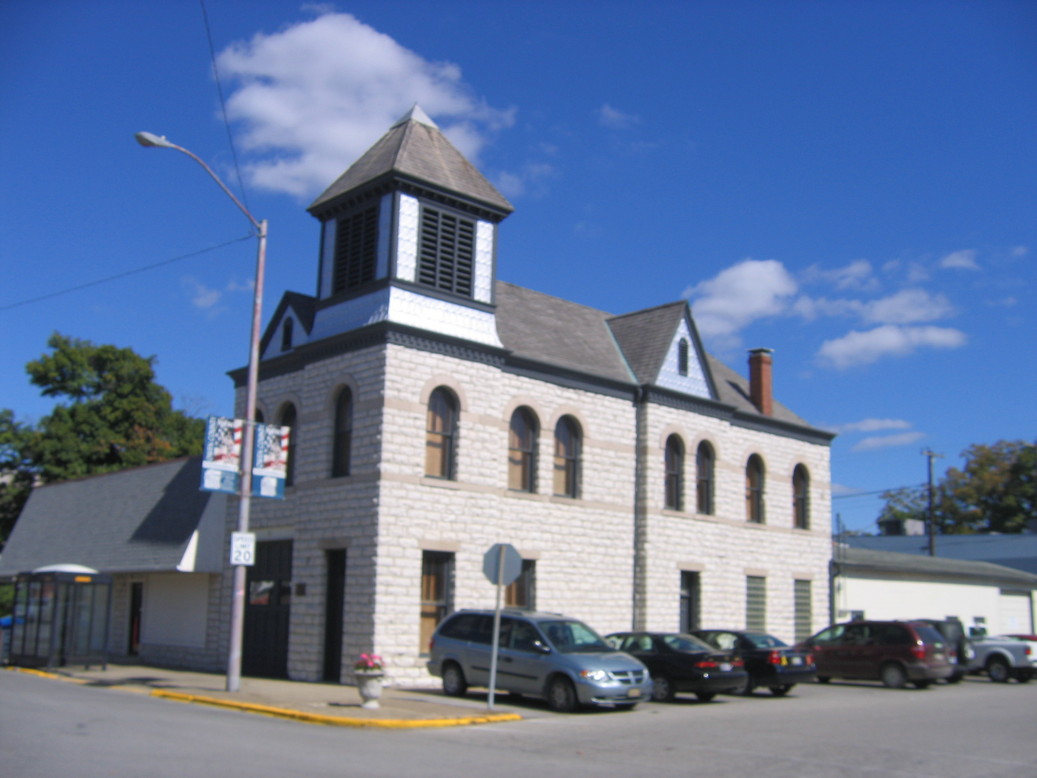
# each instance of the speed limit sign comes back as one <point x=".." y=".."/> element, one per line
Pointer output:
<point x="242" y="548"/>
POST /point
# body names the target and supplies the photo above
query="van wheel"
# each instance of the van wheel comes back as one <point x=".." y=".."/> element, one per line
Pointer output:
<point x="561" y="696"/>
<point x="893" y="676"/>
<point x="997" y="669"/>
<point x="454" y="683"/>
<point x="781" y="691"/>
<point x="662" y="689"/>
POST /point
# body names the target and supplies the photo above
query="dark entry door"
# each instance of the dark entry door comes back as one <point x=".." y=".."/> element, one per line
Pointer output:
<point x="264" y="650"/>
<point x="333" y="621"/>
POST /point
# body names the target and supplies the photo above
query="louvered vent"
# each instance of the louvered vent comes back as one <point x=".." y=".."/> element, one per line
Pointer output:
<point x="447" y="252"/>
<point x="356" y="250"/>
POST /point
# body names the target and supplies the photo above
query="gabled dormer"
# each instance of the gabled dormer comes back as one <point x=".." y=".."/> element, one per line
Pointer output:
<point x="409" y="237"/>
<point x="663" y="349"/>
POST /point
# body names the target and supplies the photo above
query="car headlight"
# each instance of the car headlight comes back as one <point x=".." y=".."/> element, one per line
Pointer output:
<point x="596" y="676"/>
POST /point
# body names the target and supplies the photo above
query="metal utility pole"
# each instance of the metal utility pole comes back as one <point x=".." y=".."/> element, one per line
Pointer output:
<point x="237" y="613"/>
<point x="930" y="523"/>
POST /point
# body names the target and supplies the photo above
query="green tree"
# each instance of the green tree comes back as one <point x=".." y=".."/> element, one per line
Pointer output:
<point x="111" y="415"/>
<point x="16" y="470"/>
<point x="995" y="490"/>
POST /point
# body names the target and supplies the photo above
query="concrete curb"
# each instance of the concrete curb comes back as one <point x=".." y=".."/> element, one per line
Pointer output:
<point x="297" y="715"/>
<point x="337" y="721"/>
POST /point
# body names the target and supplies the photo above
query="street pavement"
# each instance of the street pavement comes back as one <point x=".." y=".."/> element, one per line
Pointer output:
<point x="316" y="703"/>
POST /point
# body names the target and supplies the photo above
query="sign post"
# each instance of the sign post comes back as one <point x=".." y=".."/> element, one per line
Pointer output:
<point x="502" y="564"/>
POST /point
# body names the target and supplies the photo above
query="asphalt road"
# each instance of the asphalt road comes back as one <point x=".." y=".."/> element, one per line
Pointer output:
<point x="977" y="728"/>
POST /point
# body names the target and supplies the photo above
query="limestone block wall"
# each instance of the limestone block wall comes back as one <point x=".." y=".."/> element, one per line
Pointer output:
<point x="724" y="547"/>
<point x="582" y="547"/>
<point x="387" y="512"/>
<point x="321" y="513"/>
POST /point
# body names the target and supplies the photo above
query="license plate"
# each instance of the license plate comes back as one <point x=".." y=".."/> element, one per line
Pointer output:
<point x="634" y="693"/>
<point x="797" y="660"/>
<point x="725" y="666"/>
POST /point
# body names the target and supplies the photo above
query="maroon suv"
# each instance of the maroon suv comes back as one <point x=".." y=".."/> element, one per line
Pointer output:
<point x="894" y="652"/>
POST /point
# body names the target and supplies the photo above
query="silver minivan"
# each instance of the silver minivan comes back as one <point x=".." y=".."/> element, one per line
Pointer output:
<point x="545" y="655"/>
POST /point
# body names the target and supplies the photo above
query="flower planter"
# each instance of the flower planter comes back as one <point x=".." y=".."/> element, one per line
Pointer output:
<point x="369" y="684"/>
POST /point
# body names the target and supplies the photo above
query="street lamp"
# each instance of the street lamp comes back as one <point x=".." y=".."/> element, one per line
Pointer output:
<point x="237" y="613"/>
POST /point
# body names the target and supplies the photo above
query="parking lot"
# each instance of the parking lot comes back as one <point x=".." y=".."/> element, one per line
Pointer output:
<point x="975" y="728"/>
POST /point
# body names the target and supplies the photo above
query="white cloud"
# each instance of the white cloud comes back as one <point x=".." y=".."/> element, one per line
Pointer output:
<point x="617" y="120"/>
<point x="734" y="298"/>
<point x="874" y="425"/>
<point x="858" y="275"/>
<point x="963" y="260"/>
<point x="1020" y="251"/>
<point x="314" y="96"/>
<point x="862" y="348"/>
<point x="907" y="306"/>
<point x="203" y="297"/>
<point x="888" y="441"/>
<point x="530" y="178"/>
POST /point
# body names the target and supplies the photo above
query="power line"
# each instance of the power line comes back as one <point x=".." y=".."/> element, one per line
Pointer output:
<point x="117" y="276"/>
<point x="223" y="104"/>
<point x="877" y="491"/>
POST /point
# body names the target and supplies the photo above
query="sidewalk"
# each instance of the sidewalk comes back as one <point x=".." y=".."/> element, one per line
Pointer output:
<point x="316" y="703"/>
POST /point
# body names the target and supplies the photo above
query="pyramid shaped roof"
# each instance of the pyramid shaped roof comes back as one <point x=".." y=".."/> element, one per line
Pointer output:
<point x="414" y="148"/>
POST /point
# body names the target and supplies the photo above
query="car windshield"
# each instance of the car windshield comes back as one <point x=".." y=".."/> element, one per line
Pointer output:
<point x="570" y="636"/>
<point x="760" y="640"/>
<point x="686" y="643"/>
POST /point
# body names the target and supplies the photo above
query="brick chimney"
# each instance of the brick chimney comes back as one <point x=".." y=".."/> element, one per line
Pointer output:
<point x="761" y="390"/>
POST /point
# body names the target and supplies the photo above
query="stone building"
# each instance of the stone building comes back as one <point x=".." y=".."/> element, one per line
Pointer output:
<point x="436" y="411"/>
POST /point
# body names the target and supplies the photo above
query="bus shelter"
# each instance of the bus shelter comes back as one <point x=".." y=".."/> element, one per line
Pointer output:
<point x="61" y="617"/>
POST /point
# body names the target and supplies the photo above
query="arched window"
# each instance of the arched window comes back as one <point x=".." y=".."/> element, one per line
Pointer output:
<point x="522" y="445"/>
<point x="682" y="357"/>
<point x="705" y="461"/>
<point x="441" y="435"/>
<point x="289" y="419"/>
<point x="674" y="478"/>
<point x="286" y="334"/>
<point x="342" y="444"/>
<point x="567" y="457"/>
<point x="754" y="490"/>
<point x="800" y="498"/>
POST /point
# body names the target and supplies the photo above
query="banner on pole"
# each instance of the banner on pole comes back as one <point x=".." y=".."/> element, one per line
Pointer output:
<point x="221" y="464"/>
<point x="270" y="464"/>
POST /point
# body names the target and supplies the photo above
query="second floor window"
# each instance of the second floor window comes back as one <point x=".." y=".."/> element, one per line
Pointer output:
<point x="800" y="498"/>
<point x="522" y="445"/>
<point x="754" y="490"/>
<point x="343" y="440"/>
<point x="704" y="485"/>
<point x="441" y="434"/>
<point x="567" y="458"/>
<point x="674" y="465"/>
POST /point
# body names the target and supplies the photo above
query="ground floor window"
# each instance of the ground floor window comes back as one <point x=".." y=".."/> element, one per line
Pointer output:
<point x="803" y="604"/>
<point x="690" y="601"/>
<point x="756" y="603"/>
<point x="437" y="573"/>
<point x="521" y="593"/>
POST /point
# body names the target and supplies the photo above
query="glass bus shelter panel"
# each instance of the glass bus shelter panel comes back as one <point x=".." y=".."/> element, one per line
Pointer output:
<point x="60" y="618"/>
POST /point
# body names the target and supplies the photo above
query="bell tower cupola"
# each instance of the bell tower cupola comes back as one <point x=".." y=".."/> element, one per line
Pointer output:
<point x="409" y="236"/>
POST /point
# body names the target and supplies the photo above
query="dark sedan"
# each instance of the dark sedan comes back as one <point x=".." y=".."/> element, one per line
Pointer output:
<point x="682" y="663"/>
<point x="770" y="663"/>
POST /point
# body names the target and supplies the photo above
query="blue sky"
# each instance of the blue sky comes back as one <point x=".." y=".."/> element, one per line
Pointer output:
<point x="852" y="184"/>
